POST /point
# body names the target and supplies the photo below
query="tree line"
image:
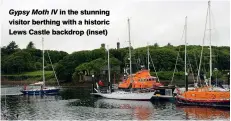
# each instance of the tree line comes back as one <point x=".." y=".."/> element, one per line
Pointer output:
<point x="70" y="67"/>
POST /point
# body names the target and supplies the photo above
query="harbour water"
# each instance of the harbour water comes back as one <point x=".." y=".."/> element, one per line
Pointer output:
<point x="78" y="104"/>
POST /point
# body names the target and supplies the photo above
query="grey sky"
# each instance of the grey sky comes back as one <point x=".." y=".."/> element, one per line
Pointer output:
<point x="151" y="21"/>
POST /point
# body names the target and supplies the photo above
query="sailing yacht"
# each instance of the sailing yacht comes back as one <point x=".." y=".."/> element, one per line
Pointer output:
<point x="39" y="87"/>
<point x="206" y="95"/>
<point x="121" y="94"/>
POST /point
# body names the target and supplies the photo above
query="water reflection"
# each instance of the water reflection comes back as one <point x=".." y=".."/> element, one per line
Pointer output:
<point x="141" y="110"/>
<point x="77" y="103"/>
<point x="204" y="113"/>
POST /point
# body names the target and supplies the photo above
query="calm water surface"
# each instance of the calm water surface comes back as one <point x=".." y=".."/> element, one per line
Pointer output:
<point x="78" y="104"/>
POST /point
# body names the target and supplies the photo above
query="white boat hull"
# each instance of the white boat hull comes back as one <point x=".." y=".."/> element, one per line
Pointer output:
<point x="122" y="95"/>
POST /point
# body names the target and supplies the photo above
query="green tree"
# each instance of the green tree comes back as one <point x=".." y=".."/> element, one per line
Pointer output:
<point x="30" y="45"/>
<point x="11" y="47"/>
<point x="156" y="45"/>
<point x="169" y="45"/>
<point x="18" y="62"/>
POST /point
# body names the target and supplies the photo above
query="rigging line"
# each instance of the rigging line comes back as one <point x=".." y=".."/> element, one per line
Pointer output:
<point x="195" y="60"/>
<point x="175" y="64"/>
<point x="213" y="23"/>
<point x="154" y="68"/>
<point x="191" y="68"/>
<point x="202" y="48"/>
<point x="196" y="64"/>
<point x="53" y="68"/>
<point x="204" y="66"/>
<point x="178" y="54"/>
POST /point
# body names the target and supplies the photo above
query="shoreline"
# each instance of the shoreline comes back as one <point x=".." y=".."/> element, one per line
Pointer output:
<point x="22" y="83"/>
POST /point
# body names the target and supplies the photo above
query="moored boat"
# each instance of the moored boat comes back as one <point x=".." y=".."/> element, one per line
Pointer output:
<point x="130" y="84"/>
<point x="39" y="87"/>
<point x="141" y="79"/>
<point x="206" y="95"/>
<point x="122" y="95"/>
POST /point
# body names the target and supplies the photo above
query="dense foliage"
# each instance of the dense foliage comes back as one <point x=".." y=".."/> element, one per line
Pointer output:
<point x="15" y="60"/>
<point x="69" y="66"/>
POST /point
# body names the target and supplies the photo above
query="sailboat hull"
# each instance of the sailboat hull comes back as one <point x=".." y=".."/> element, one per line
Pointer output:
<point x="39" y="92"/>
<point x="122" y="95"/>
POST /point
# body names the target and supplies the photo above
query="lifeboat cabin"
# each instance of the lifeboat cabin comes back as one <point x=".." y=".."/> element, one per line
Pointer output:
<point x="141" y="79"/>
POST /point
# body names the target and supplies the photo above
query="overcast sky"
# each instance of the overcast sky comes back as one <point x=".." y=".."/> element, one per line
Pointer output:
<point x="151" y="21"/>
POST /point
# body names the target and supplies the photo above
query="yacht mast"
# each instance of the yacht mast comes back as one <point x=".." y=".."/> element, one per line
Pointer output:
<point x="210" y="46"/>
<point x="185" y="54"/>
<point x="148" y="57"/>
<point x="43" y="61"/>
<point x="130" y="55"/>
<point x="202" y="48"/>
<point x="108" y="65"/>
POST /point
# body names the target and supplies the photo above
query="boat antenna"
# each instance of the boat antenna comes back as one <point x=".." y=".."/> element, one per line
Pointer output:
<point x="210" y="46"/>
<point x="202" y="48"/>
<point x="185" y="59"/>
<point x="109" y="76"/>
<point x="130" y="55"/>
<point x="43" y="61"/>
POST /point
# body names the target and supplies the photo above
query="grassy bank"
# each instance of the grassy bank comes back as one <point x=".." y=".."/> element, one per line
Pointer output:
<point x="165" y="78"/>
<point x="67" y="84"/>
<point x="35" y="76"/>
<point x="33" y="73"/>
